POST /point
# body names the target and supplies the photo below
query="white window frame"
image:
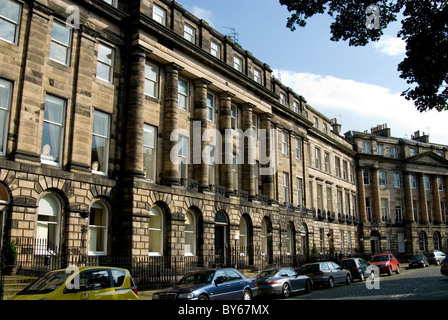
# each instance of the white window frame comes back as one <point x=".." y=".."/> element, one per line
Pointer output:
<point x="108" y="65"/>
<point x="238" y="63"/>
<point x="16" y="24"/>
<point x="92" y="227"/>
<point x="286" y="187"/>
<point x="183" y="156"/>
<point x="151" y="80"/>
<point x="215" y="49"/>
<point x="257" y="75"/>
<point x="6" y="90"/>
<point x="57" y="43"/>
<point x="106" y="139"/>
<point x="189" y="33"/>
<point x="190" y="234"/>
<point x="44" y="158"/>
<point x="183" y="96"/>
<point x="150" y="173"/>
<point x="210" y="107"/>
<point x="284" y="138"/>
<point x="157" y="211"/>
<point x="159" y="14"/>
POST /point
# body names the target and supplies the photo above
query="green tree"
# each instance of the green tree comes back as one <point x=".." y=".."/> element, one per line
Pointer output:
<point x="424" y="29"/>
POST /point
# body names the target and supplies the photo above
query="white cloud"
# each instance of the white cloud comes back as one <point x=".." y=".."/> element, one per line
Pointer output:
<point x="391" y="46"/>
<point x="362" y="106"/>
<point x="203" y="14"/>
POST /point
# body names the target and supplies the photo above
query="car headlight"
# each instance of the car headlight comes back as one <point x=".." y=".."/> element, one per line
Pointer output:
<point x="188" y="295"/>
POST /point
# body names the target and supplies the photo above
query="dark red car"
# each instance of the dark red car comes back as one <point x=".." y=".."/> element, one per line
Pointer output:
<point x="386" y="262"/>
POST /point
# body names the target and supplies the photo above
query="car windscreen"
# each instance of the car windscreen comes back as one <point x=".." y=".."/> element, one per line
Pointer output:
<point x="380" y="258"/>
<point x="309" y="268"/>
<point x="197" y="277"/>
<point x="266" y="273"/>
<point x="348" y="264"/>
<point x="46" y="284"/>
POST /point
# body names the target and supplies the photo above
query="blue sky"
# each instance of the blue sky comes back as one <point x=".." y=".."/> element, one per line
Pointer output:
<point x="360" y="86"/>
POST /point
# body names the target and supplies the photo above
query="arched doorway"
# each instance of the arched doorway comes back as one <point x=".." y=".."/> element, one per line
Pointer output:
<point x="375" y="242"/>
<point x="221" y="237"/>
<point x="303" y="234"/>
<point x="422" y="241"/>
<point x="266" y="240"/>
<point x="4" y="208"/>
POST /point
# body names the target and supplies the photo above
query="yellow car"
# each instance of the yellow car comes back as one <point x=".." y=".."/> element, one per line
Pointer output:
<point x="86" y="283"/>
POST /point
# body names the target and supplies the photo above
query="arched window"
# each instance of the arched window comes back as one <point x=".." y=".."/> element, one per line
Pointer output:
<point x="290" y="239"/>
<point x="48" y="223"/>
<point x="422" y="241"/>
<point x="264" y="238"/>
<point x="243" y="237"/>
<point x="98" y="222"/>
<point x="156" y="226"/>
<point x="437" y="242"/>
<point x="190" y="233"/>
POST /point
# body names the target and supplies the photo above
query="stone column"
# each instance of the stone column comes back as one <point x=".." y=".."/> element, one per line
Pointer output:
<point x="422" y="199"/>
<point x="29" y="135"/>
<point x="362" y="196"/>
<point x="249" y="152"/>
<point x="409" y="205"/>
<point x="436" y="200"/>
<point x="80" y="155"/>
<point x="170" y="170"/>
<point x="135" y="120"/>
<point x="225" y="124"/>
<point x="267" y="179"/>
<point x="200" y="172"/>
<point x="376" y="195"/>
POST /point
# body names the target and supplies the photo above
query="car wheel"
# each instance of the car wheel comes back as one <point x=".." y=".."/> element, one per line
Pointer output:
<point x="348" y="279"/>
<point x="286" y="290"/>
<point x="203" y="297"/>
<point x="389" y="273"/>
<point x="398" y="270"/>
<point x="330" y="282"/>
<point x="308" y="286"/>
<point x="247" y="295"/>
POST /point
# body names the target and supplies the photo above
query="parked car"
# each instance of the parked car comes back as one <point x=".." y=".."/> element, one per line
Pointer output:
<point x="356" y="266"/>
<point x="326" y="273"/>
<point x="386" y="262"/>
<point x="435" y="257"/>
<point x="215" y="284"/>
<point x="418" y="261"/>
<point x="282" y="281"/>
<point x="444" y="267"/>
<point x="87" y="283"/>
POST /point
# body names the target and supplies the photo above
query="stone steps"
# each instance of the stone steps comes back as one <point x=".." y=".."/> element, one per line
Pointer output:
<point x="14" y="284"/>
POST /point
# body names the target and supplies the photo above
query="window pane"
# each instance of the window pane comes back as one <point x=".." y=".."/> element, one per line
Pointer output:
<point x="61" y="34"/>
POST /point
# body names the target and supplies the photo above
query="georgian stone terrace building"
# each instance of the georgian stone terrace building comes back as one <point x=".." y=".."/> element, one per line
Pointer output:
<point x="126" y="130"/>
<point x="402" y="190"/>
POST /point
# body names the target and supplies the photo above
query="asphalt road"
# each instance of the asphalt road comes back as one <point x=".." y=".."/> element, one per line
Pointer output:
<point x="411" y="284"/>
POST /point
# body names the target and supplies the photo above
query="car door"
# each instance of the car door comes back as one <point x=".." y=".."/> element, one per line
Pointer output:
<point x="297" y="282"/>
<point x="94" y="284"/>
<point x="338" y="272"/>
<point x="220" y="288"/>
<point x="236" y="285"/>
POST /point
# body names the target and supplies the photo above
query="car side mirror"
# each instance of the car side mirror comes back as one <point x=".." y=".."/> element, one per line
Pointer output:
<point x="218" y="281"/>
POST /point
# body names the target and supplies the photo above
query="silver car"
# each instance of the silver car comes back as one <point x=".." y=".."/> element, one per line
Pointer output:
<point x="326" y="273"/>
<point x="435" y="257"/>
<point x="283" y="281"/>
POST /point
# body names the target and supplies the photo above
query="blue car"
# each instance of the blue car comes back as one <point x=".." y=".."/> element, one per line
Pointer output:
<point x="215" y="284"/>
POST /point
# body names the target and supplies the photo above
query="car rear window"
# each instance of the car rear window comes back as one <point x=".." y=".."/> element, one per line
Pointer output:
<point x="118" y="277"/>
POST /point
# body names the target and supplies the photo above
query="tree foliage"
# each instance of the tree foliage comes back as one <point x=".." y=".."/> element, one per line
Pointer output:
<point x="424" y="28"/>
